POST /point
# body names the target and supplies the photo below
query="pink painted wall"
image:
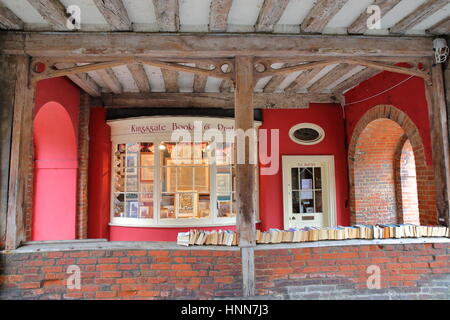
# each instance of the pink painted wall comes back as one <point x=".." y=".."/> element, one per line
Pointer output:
<point x="327" y="116"/>
<point x="56" y="163"/>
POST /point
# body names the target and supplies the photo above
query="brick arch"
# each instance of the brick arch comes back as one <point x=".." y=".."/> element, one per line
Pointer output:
<point x="424" y="173"/>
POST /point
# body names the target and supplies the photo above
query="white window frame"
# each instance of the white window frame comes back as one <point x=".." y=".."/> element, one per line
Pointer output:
<point x="120" y="134"/>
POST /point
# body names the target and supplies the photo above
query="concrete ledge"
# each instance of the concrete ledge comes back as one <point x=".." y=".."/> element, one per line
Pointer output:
<point x="102" y="244"/>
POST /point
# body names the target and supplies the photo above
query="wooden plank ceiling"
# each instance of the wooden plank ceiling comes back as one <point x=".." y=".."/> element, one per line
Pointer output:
<point x="399" y="17"/>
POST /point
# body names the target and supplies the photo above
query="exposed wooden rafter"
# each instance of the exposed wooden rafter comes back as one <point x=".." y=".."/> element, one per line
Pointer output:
<point x="8" y="20"/>
<point x="421" y="13"/>
<point x="83" y="80"/>
<point x="170" y="80"/>
<point x="53" y="12"/>
<point x="321" y="14"/>
<point x="211" y="100"/>
<point x="442" y="27"/>
<point x="269" y="14"/>
<point x="140" y="77"/>
<point x="360" y="24"/>
<point x="331" y="77"/>
<point x="110" y="79"/>
<point x="167" y="15"/>
<point x="218" y="15"/>
<point x="302" y="79"/>
<point x="355" y="80"/>
<point x="115" y="14"/>
<point x="200" y="80"/>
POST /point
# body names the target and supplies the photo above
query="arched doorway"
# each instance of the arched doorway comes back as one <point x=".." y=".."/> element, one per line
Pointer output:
<point x="55" y="179"/>
<point x="382" y="138"/>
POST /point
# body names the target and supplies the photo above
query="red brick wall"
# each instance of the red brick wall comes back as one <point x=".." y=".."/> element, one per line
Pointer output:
<point x="407" y="270"/>
<point x="375" y="200"/>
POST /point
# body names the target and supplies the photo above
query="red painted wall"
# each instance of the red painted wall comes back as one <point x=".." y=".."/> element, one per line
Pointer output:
<point x="56" y="163"/>
<point x="408" y="97"/>
<point x="327" y="116"/>
<point x="99" y="174"/>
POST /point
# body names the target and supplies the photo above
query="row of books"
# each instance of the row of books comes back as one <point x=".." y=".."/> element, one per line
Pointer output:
<point x="203" y="237"/>
<point x="380" y="231"/>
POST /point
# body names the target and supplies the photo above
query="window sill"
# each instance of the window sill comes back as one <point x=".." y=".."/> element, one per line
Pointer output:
<point x="194" y="224"/>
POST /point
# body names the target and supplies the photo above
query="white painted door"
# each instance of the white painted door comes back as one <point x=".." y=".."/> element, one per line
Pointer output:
<point x="309" y="191"/>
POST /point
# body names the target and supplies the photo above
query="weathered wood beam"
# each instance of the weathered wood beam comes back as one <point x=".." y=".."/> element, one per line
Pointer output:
<point x="218" y="15"/>
<point x="335" y="74"/>
<point x="421" y="13"/>
<point x="170" y="80"/>
<point x="388" y="67"/>
<point x="360" y="24"/>
<point x="200" y="80"/>
<point x="115" y="14"/>
<point x="167" y="15"/>
<point x="302" y="79"/>
<point x="245" y="173"/>
<point x="355" y="80"/>
<point x="183" y="68"/>
<point x="8" y="20"/>
<point x="226" y="86"/>
<point x="83" y="167"/>
<point x="53" y="12"/>
<point x="211" y="100"/>
<point x="442" y="27"/>
<point x="83" y="80"/>
<point x="439" y="142"/>
<point x="319" y="16"/>
<point x="270" y="13"/>
<point x="140" y="77"/>
<point x="21" y="147"/>
<point x="75" y="69"/>
<point x="102" y="46"/>
<point x="110" y="79"/>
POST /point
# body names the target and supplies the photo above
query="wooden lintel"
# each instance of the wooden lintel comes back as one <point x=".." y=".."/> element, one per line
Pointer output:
<point x="97" y="46"/>
<point x="223" y="100"/>
<point x="179" y="67"/>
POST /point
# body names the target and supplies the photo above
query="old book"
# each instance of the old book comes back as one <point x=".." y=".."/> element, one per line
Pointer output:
<point x="183" y="239"/>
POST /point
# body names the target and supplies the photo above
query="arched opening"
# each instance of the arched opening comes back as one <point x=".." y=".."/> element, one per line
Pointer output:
<point x="389" y="178"/>
<point x="55" y="179"/>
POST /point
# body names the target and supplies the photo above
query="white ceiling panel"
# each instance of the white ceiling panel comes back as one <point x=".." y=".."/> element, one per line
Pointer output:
<point x="243" y="15"/>
<point x="25" y="11"/>
<point x="346" y="16"/>
<point x="186" y="79"/>
<point x="142" y="15"/>
<point x="213" y="84"/>
<point x="352" y="72"/>
<point x="293" y="16"/>
<point x="421" y="27"/>
<point x="194" y="15"/>
<point x="125" y="78"/>
<point x="290" y="77"/>
<point x="400" y="11"/>
<point x="155" y="77"/>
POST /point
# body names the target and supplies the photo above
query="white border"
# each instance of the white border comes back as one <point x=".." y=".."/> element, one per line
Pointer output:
<point x="310" y="126"/>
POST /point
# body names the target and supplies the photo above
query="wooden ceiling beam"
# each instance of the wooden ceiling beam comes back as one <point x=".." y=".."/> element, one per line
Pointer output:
<point x="97" y="46"/>
<point x="111" y="81"/>
<point x="335" y="74"/>
<point x="83" y="80"/>
<point x="319" y="16"/>
<point x="115" y="14"/>
<point x="302" y="79"/>
<point x="270" y="13"/>
<point x="200" y="80"/>
<point x="140" y="77"/>
<point x="52" y="11"/>
<point x="421" y="13"/>
<point x="170" y="80"/>
<point x="8" y="20"/>
<point x="360" y="24"/>
<point x="355" y="80"/>
<point x="218" y="15"/>
<point x="442" y="27"/>
<point x="167" y="15"/>
<point x="211" y="100"/>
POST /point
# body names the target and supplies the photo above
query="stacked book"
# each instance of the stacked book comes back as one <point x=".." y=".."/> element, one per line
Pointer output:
<point x="203" y="237"/>
<point x="380" y="231"/>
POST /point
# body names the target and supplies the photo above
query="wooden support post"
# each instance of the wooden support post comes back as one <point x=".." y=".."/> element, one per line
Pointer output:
<point x="439" y="142"/>
<point x="245" y="173"/>
<point x="83" y="166"/>
<point x="21" y="149"/>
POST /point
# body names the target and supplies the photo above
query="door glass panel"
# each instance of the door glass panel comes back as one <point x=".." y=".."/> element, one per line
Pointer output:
<point x="318" y="198"/>
<point x="295" y="202"/>
<point x="294" y="178"/>
<point x="307" y="202"/>
<point x="317" y="178"/>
